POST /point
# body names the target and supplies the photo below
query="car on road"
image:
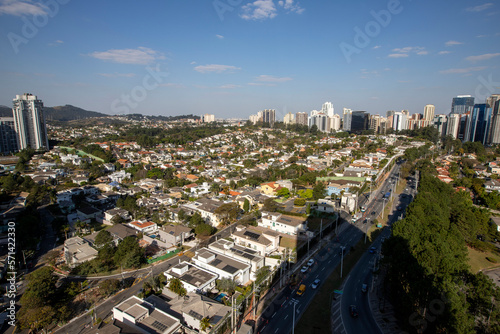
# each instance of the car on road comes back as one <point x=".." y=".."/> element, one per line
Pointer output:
<point x="374" y="213"/>
<point x="373" y="249"/>
<point x="304" y="269"/>
<point x="364" y="288"/>
<point x="315" y="284"/>
<point x="310" y="262"/>
<point x="301" y="289"/>
<point x="353" y="311"/>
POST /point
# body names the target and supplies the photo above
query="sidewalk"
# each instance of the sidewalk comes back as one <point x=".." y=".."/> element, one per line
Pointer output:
<point x="382" y="309"/>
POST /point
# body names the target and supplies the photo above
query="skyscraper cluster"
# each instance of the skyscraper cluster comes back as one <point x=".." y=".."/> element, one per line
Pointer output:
<point x="264" y="116"/>
<point x="26" y="128"/>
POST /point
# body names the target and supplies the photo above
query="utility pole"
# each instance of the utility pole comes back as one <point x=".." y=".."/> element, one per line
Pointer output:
<point x="366" y="231"/>
<point x="336" y="222"/>
<point x="342" y="260"/>
<point x="293" y="316"/>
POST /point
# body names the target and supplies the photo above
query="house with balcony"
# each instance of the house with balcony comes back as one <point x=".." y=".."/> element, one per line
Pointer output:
<point x="193" y="279"/>
<point x="283" y="224"/>
<point x="264" y="242"/>
<point x="78" y="251"/>
<point x="222" y="265"/>
<point x="144" y="227"/>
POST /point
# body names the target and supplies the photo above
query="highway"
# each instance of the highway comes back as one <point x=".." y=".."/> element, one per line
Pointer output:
<point x="363" y="271"/>
<point x="279" y="316"/>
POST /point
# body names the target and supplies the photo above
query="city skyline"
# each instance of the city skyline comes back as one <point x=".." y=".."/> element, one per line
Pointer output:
<point x="235" y="60"/>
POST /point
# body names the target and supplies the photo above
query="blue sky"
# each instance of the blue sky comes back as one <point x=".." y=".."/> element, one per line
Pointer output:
<point x="233" y="58"/>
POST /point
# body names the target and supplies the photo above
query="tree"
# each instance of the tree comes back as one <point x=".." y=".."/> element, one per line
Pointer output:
<point x="227" y="212"/>
<point x="204" y="229"/>
<point x="103" y="238"/>
<point x="40" y="288"/>
<point x="51" y="257"/>
<point x="117" y="220"/>
<point x="270" y="205"/>
<point x="196" y="220"/>
<point x="128" y="253"/>
<point x="262" y="273"/>
<point x="308" y="209"/>
<point x="205" y="323"/>
<point x="283" y="192"/>
<point x="246" y="205"/>
<point x="109" y="286"/>
<point x="175" y="285"/>
<point x="319" y="191"/>
<point x="226" y="285"/>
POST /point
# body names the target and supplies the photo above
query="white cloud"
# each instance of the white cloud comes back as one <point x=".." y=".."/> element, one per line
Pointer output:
<point x="405" y="52"/>
<point x="192" y="63"/>
<point x="139" y="56"/>
<point x="215" y="68"/>
<point x="482" y="57"/>
<point x="115" y="75"/>
<point x="229" y="86"/>
<point x="452" y="43"/>
<point x="219" y="36"/>
<point x="480" y="8"/>
<point x="259" y="10"/>
<point x="376" y="47"/>
<point x="443" y="52"/>
<point x="270" y="78"/>
<point x="56" y="43"/>
<point x="21" y="7"/>
<point x="463" y="70"/>
<point x="291" y="7"/>
<point x="398" y="55"/>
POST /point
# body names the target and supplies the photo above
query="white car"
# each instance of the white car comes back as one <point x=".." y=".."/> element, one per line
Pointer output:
<point x="315" y="284"/>
<point x="310" y="262"/>
<point x="304" y="269"/>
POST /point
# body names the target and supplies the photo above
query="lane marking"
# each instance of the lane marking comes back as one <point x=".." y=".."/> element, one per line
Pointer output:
<point x="285" y="317"/>
<point x="276" y="331"/>
<point x="273" y="315"/>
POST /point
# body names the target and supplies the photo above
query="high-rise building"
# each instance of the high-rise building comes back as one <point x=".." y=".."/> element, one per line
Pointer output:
<point x="29" y="122"/>
<point x="301" y="118"/>
<point x="359" y="121"/>
<point x="328" y="109"/>
<point x="453" y="125"/>
<point x="479" y="123"/>
<point x="208" y="118"/>
<point x="463" y="127"/>
<point x="429" y="114"/>
<point x="269" y="116"/>
<point x="399" y="121"/>
<point x="494" y="137"/>
<point x="440" y="123"/>
<point x="289" y="118"/>
<point x="320" y="120"/>
<point x="334" y="123"/>
<point x="346" y="121"/>
<point x="462" y="104"/>
<point x="8" y="136"/>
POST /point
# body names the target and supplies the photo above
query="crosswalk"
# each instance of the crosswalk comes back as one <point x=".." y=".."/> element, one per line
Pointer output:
<point x="336" y="318"/>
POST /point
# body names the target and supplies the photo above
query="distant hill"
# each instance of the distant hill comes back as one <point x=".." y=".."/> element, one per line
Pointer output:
<point x="59" y="113"/>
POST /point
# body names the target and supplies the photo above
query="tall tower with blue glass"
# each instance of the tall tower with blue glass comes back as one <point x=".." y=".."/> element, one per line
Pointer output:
<point x="480" y="123"/>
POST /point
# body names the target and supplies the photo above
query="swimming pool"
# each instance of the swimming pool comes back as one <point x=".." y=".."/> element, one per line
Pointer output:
<point x="219" y="297"/>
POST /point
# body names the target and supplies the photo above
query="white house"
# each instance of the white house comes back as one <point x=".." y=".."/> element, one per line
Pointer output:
<point x="145" y="227"/>
<point x="281" y="223"/>
<point x="193" y="279"/>
<point x="222" y="265"/>
<point x="265" y="242"/>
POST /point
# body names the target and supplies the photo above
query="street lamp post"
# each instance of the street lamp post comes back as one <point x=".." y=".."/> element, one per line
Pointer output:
<point x="342" y="260"/>
<point x="293" y="315"/>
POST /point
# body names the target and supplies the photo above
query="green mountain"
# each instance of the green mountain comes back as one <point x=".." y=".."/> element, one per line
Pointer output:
<point x="59" y="113"/>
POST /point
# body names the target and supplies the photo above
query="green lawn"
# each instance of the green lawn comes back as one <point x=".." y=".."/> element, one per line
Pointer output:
<point x="316" y="319"/>
<point x="478" y="261"/>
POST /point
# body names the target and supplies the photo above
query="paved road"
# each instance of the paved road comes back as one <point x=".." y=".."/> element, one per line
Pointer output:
<point x="83" y="324"/>
<point x="279" y="316"/>
<point x="362" y="274"/>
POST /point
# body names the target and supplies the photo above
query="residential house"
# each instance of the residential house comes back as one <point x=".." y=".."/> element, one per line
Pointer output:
<point x="120" y="232"/>
<point x="78" y="251"/>
<point x="119" y="176"/>
<point x="492" y="185"/>
<point x="145" y="227"/>
<point x="194" y="307"/>
<point x="240" y="253"/>
<point x="266" y="242"/>
<point x="270" y="188"/>
<point x="86" y="213"/>
<point x="193" y="279"/>
<point x="144" y="317"/>
<point x="174" y="234"/>
<point x="112" y="213"/>
<point x="349" y="202"/>
<point x="222" y="265"/>
<point x="326" y="205"/>
<point x="283" y="224"/>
